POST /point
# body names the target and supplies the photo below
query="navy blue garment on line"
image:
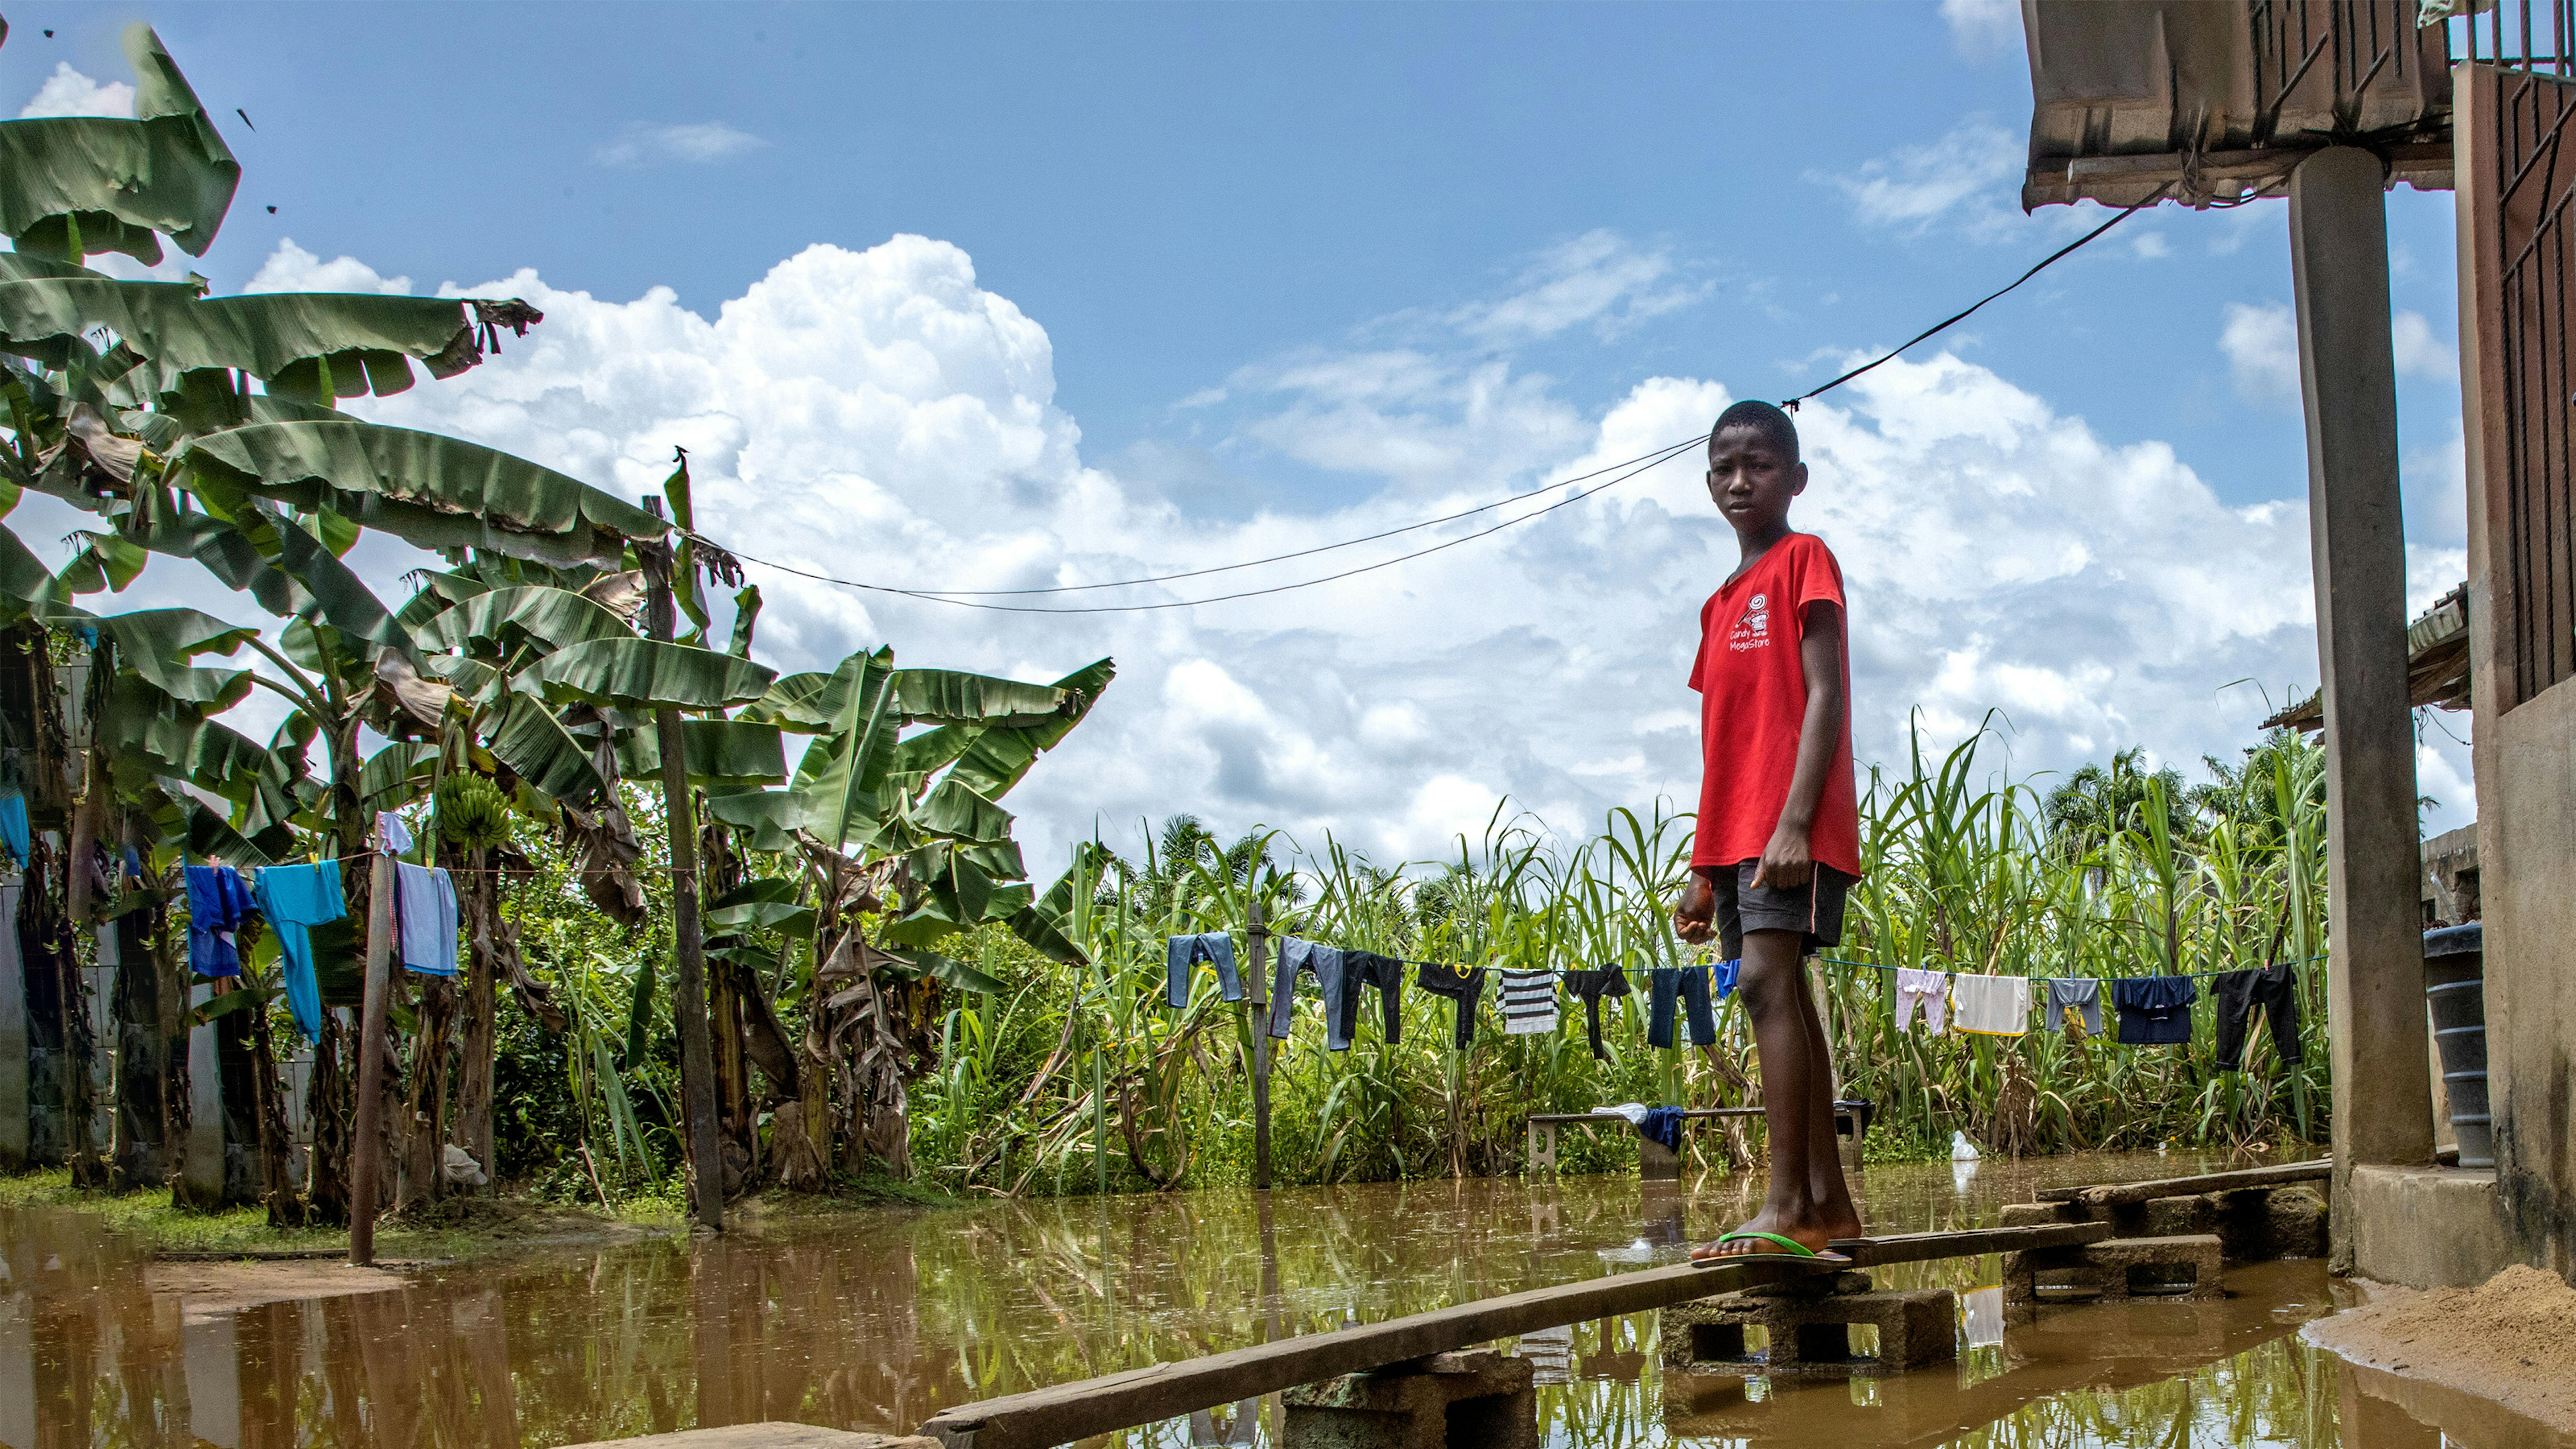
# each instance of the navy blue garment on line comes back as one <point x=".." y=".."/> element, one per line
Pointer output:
<point x="2154" y="1010"/>
<point x="1664" y="1125"/>
<point x="1464" y="985"/>
<point x="1691" y="984"/>
<point x="1368" y="968"/>
<point x="218" y="904"/>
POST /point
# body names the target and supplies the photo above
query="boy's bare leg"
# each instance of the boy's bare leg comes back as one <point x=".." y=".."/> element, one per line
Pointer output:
<point x="1808" y="1201"/>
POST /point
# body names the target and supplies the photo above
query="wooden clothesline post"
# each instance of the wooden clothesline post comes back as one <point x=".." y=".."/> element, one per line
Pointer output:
<point x="1257" y="939"/>
<point x="688" y="943"/>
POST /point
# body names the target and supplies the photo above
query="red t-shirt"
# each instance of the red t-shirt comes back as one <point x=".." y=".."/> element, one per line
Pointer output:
<point x="1753" y="701"/>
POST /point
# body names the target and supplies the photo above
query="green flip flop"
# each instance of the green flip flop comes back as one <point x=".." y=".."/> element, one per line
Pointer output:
<point x="1789" y="1248"/>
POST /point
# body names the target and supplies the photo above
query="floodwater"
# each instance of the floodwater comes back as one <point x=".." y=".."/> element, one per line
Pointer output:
<point x="877" y="1322"/>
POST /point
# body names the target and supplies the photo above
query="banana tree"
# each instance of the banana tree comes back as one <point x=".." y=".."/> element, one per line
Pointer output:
<point x="903" y="847"/>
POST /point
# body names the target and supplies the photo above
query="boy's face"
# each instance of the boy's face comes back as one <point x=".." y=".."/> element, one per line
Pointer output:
<point x="1752" y="481"/>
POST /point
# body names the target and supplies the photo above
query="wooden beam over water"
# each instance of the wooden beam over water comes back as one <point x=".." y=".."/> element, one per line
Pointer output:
<point x="1042" y="1418"/>
<point x="2118" y="1193"/>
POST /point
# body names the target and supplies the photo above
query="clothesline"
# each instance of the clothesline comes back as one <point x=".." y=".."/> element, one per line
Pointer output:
<point x="2168" y="975"/>
<point x="1452" y="966"/>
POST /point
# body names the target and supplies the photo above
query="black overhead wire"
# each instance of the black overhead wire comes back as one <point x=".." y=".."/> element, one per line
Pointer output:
<point x="1651" y="459"/>
<point x="974" y="598"/>
<point x="1956" y="318"/>
<point x="1656" y="456"/>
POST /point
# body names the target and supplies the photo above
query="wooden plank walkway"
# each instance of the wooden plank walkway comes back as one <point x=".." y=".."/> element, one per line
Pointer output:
<point x="1042" y="1418"/>
<point x="2119" y="1193"/>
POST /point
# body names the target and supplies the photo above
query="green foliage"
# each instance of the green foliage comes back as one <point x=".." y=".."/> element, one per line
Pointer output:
<point x="1076" y="1077"/>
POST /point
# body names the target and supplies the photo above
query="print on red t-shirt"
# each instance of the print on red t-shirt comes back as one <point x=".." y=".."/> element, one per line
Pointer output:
<point x="1753" y="702"/>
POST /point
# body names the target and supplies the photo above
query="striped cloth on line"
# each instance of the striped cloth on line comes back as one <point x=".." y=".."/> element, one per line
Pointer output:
<point x="1529" y="1002"/>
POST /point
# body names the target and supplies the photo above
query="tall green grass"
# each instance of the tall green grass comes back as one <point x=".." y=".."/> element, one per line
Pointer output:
<point x="1082" y="1079"/>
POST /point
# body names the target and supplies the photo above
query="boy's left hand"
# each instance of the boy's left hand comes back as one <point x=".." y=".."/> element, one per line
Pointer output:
<point x="1788" y="862"/>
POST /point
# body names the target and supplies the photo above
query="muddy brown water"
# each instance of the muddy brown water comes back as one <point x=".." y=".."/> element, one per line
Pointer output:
<point x="878" y="1321"/>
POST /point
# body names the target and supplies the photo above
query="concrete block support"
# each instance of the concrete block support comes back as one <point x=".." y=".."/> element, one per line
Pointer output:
<point x="1476" y="1400"/>
<point x="1808" y="1335"/>
<point x="2253" y="1225"/>
<point x="2383" y="1107"/>
<point x="2185" y="1268"/>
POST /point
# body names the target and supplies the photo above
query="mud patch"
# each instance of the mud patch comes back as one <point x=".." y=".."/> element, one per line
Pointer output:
<point x="208" y="1290"/>
<point x="2512" y="1339"/>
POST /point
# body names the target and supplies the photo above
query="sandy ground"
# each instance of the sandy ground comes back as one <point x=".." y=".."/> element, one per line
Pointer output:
<point x="208" y="1289"/>
<point x="2511" y="1339"/>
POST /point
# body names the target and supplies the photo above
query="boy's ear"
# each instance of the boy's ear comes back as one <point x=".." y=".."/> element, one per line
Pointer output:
<point x="1798" y="482"/>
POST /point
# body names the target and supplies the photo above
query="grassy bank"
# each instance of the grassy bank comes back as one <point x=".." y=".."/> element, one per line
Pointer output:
<point x="457" y="1229"/>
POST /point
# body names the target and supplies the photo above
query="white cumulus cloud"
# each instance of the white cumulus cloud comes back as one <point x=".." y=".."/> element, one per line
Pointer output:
<point x="2262" y="346"/>
<point x="69" y="93"/>
<point x="698" y="143"/>
<point x="1964" y="175"/>
<point x="881" y="417"/>
<point x="1983" y="28"/>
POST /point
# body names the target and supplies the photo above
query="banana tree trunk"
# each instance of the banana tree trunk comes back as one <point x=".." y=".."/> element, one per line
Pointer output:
<point x="422" y="1129"/>
<point x="330" y="1108"/>
<point x="277" y="1186"/>
<point x="473" y="1132"/>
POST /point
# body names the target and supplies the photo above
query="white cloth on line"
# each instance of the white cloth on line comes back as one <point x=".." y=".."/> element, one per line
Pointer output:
<point x="1635" y="1112"/>
<point x="1990" y="1005"/>
<point x="1529" y="1003"/>
<point x="1924" y="991"/>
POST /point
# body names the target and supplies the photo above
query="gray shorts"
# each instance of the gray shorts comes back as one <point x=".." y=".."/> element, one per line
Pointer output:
<point x="1815" y="910"/>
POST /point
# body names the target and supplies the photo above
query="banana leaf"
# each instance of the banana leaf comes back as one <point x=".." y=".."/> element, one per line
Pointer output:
<point x="812" y="703"/>
<point x="719" y="751"/>
<point x="157" y="643"/>
<point x="428" y="490"/>
<point x="524" y="735"/>
<point x="943" y="696"/>
<point x="120" y="181"/>
<point x="840" y="783"/>
<point x="281" y="338"/>
<point x="397" y="774"/>
<point x="765" y="819"/>
<point x="27" y="587"/>
<point x="437" y="592"/>
<point x="1000" y="756"/>
<point x="28" y="267"/>
<point x="797" y="921"/>
<point x="1046" y="924"/>
<point x="634" y="673"/>
<point x="210" y="836"/>
<point x="553" y="617"/>
<point x="942" y="969"/>
<point x="956" y="811"/>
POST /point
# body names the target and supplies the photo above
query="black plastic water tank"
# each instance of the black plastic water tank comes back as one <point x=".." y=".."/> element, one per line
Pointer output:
<point x="2455" y="987"/>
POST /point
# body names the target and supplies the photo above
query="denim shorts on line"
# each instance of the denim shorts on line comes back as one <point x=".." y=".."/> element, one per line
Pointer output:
<point x="1815" y="910"/>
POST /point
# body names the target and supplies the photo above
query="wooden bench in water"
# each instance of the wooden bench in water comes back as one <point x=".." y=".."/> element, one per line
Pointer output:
<point x="2116" y="1194"/>
<point x="1042" y="1418"/>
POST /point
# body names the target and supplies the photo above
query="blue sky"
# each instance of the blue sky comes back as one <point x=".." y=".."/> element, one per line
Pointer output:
<point x="1303" y="270"/>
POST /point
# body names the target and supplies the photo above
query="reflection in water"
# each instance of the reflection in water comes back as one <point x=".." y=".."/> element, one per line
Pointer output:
<point x="878" y="1322"/>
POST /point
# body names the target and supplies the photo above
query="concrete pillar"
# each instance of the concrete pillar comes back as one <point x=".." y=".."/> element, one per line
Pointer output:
<point x="2383" y="1109"/>
<point x="13" y="1037"/>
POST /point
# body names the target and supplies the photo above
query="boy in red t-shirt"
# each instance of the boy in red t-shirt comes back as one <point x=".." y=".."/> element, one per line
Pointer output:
<point x="1778" y="843"/>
